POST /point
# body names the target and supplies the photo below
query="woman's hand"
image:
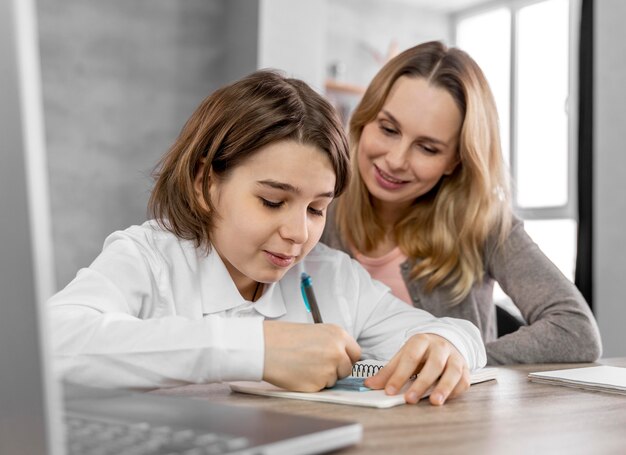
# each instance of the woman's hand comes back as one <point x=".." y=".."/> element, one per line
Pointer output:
<point x="436" y="361"/>
<point x="307" y="357"/>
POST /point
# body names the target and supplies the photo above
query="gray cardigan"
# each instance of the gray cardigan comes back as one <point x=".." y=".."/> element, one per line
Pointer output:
<point x="561" y="328"/>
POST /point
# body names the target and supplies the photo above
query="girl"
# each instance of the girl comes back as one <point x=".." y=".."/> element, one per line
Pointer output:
<point x="209" y="290"/>
<point x="428" y="210"/>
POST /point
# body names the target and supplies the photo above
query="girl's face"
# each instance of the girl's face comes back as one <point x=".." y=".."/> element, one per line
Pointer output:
<point x="271" y="211"/>
<point x="410" y="144"/>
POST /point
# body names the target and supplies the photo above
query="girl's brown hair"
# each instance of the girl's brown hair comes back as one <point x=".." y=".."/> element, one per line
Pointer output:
<point x="228" y="127"/>
<point x="445" y="230"/>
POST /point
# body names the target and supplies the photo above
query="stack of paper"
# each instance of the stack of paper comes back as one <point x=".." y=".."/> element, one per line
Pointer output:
<point x="602" y="378"/>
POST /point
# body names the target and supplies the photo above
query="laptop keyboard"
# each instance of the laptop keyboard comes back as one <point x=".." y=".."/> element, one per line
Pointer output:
<point x="91" y="436"/>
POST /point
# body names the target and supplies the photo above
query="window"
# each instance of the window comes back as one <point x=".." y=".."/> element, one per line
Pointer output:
<point x="525" y="49"/>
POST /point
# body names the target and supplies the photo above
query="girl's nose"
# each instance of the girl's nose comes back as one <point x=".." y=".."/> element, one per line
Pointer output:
<point x="295" y="227"/>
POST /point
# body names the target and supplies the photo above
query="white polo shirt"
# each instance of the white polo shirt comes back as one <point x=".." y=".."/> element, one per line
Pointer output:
<point x="153" y="311"/>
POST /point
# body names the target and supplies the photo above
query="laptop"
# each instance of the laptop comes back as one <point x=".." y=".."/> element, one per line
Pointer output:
<point x="38" y="414"/>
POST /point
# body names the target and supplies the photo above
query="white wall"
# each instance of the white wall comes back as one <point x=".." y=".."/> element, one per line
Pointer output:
<point x="303" y="37"/>
<point x="610" y="174"/>
<point x="292" y="37"/>
<point x="360" y="32"/>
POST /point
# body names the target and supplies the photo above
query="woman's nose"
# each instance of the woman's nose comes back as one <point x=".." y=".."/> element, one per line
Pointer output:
<point x="396" y="156"/>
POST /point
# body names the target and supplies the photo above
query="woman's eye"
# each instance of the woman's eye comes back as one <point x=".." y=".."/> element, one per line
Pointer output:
<point x="316" y="212"/>
<point x="271" y="204"/>
<point x="429" y="150"/>
<point x="388" y="130"/>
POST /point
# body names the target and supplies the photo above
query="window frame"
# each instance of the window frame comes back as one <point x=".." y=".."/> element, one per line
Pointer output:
<point x="570" y="209"/>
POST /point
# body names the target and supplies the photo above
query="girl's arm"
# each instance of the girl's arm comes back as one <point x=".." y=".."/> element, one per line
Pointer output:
<point x="561" y="327"/>
<point x="115" y="325"/>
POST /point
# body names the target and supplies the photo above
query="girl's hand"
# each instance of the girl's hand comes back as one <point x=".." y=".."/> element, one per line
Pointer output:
<point x="436" y="361"/>
<point x="307" y="357"/>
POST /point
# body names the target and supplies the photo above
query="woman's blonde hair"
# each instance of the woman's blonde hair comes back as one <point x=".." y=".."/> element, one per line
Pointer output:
<point x="445" y="230"/>
<point x="227" y="128"/>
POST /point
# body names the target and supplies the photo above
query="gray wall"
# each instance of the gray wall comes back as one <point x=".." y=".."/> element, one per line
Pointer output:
<point x="119" y="80"/>
<point x="610" y="173"/>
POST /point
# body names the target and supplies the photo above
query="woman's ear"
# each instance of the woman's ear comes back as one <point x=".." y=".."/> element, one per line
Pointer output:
<point x="452" y="166"/>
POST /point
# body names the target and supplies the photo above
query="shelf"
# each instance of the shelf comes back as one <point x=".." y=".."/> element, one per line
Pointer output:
<point x="332" y="85"/>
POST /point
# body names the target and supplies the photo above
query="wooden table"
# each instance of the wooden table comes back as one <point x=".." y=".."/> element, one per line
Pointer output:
<point x="510" y="415"/>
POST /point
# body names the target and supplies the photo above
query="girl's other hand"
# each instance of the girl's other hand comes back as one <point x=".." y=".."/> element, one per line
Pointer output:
<point x="437" y="363"/>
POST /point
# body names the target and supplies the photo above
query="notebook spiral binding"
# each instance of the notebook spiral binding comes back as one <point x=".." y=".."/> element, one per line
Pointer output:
<point x="364" y="370"/>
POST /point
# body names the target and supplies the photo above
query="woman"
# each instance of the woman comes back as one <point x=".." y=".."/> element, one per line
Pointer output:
<point x="428" y="210"/>
<point x="209" y="290"/>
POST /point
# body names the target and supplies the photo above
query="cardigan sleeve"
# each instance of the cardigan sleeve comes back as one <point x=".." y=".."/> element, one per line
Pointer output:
<point x="561" y="327"/>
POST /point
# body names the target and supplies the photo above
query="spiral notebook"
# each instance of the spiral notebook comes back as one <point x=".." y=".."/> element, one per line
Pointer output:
<point x="349" y="390"/>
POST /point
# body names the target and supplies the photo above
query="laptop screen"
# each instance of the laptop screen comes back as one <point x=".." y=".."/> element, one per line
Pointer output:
<point x="23" y="367"/>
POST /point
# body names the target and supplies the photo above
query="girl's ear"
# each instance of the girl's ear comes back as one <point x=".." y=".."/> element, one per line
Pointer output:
<point x="197" y="183"/>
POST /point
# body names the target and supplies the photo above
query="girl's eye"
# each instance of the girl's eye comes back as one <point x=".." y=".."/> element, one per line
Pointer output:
<point x="271" y="204"/>
<point x="316" y="212"/>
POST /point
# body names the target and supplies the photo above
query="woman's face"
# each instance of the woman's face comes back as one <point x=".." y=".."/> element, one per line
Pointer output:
<point x="271" y="211"/>
<point x="410" y="144"/>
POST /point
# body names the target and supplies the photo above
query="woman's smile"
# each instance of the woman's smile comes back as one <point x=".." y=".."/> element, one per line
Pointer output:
<point x="386" y="181"/>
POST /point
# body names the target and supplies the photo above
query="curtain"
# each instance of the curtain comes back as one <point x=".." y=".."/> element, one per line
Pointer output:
<point x="584" y="258"/>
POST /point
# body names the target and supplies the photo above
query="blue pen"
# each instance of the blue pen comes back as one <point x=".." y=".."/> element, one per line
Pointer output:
<point x="309" y="297"/>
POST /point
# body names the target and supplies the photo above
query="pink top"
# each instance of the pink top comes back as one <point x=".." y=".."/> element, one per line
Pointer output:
<point x="387" y="270"/>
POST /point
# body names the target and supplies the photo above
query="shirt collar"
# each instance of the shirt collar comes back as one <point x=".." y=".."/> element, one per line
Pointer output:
<point x="219" y="292"/>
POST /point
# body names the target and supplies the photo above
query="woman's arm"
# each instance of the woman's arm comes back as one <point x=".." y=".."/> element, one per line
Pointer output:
<point x="561" y="327"/>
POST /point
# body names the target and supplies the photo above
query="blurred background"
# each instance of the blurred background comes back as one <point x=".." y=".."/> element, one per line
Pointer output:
<point x="118" y="79"/>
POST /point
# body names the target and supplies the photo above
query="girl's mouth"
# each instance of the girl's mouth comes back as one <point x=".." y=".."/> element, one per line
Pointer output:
<point x="279" y="260"/>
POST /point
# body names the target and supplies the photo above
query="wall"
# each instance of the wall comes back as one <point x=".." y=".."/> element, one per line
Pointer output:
<point x="119" y="80"/>
<point x="292" y="38"/>
<point x="361" y="33"/>
<point x="609" y="174"/>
